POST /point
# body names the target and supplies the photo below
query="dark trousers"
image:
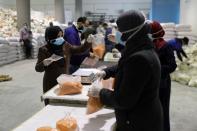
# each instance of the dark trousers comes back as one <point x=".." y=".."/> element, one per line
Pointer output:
<point x="27" y="48"/>
<point x="164" y="95"/>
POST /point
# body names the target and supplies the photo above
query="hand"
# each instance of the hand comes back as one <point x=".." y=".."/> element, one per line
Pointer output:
<point x="47" y="62"/>
<point x="112" y="38"/>
<point x="101" y="74"/>
<point x="94" y="91"/>
<point x="180" y="53"/>
<point x="90" y="38"/>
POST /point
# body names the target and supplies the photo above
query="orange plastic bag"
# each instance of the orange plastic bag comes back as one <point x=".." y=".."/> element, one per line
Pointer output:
<point x="94" y="104"/>
<point x="46" y="128"/>
<point x="99" y="50"/>
<point x="68" y="88"/>
<point x="69" y="84"/>
<point x="67" y="124"/>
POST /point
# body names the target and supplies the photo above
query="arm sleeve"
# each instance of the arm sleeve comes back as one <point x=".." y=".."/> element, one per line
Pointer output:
<point x="110" y="71"/>
<point x="81" y="49"/>
<point x="70" y="37"/>
<point x="39" y="64"/>
<point x="136" y="74"/>
<point x="170" y="64"/>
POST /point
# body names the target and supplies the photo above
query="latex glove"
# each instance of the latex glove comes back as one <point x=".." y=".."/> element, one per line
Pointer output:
<point x="47" y="62"/>
<point x="94" y="91"/>
<point x="90" y="38"/>
<point x="101" y="74"/>
<point x="112" y="38"/>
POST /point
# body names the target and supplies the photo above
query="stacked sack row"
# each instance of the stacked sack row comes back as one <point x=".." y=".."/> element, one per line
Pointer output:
<point x="169" y="29"/>
<point x="11" y="49"/>
<point x="185" y="31"/>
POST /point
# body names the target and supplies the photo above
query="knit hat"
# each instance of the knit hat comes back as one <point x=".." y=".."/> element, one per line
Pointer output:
<point x="130" y="20"/>
<point x="156" y="30"/>
<point x="52" y="32"/>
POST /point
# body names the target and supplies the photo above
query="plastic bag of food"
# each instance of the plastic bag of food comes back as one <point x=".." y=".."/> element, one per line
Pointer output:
<point x="46" y="128"/>
<point x="68" y="123"/>
<point x="94" y="104"/>
<point x="69" y="84"/>
<point x="98" y="45"/>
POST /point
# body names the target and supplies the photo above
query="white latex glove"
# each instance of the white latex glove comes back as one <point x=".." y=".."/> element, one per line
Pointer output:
<point x="101" y="74"/>
<point x="51" y="59"/>
<point x="47" y="62"/>
<point x="90" y="38"/>
<point x="94" y="91"/>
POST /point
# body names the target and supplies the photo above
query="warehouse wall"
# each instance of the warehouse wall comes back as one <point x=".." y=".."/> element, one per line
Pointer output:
<point x="166" y="10"/>
<point x="98" y="6"/>
<point x="188" y="13"/>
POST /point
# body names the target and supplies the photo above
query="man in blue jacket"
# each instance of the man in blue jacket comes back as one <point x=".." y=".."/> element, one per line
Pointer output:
<point x="71" y="35"/>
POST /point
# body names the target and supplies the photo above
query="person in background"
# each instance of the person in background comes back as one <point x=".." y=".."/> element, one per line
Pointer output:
<point x="89" y="30"/>
<point x="177" y="44"/>
<point x="57" y="46"/>
<point x="26" y="37"/>
<point x="46" y="31"/>
<point x="71" y="35"/>
<point x="108" y="44"/>
<point x="137" y="77"/>
<point x="168" y="65"/>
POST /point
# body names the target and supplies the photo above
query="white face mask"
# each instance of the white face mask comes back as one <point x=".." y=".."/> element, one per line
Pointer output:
<point x="137" y="28"/>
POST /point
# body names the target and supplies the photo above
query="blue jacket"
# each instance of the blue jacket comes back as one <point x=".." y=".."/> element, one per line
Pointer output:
<point x="71" y="36"/>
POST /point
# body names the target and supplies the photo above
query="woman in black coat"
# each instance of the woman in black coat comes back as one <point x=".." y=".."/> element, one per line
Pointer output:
<point x="55" y="68"/>
<point x="168" y="65"/>
<point x="137" y="77"/>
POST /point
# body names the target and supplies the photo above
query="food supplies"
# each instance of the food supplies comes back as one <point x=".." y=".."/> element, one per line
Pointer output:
<point x="94" y="104"/>
<point x="68" y="123"/>
<point x="98" y="45"/>
<point x="69" y="84"/>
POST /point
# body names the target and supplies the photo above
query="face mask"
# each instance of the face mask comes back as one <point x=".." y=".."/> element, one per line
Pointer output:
<point x="118" y="38"/>
<point x="138" y="28"/>
<point x="58" y="41"/>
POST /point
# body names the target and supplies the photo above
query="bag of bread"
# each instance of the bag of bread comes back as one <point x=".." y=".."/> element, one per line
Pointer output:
<point x="94" y="104"/>
<point x="67" y="124"/>
<point x="69" y="84"/>
<point x="46" y="128"/>
<point x="98" y="46"/>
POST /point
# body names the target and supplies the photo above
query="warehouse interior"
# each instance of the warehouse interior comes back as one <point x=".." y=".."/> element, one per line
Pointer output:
<point x="23" y="102"/>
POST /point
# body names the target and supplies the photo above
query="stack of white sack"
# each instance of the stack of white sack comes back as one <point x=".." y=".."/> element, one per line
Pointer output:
<point x="169" y="29"/>
<point x="3" y="50"/>
<point x="14" y="43"/>
<point x="186" y="31"/>
<point x="37" y="41"/>
<point x="186" y="72"/>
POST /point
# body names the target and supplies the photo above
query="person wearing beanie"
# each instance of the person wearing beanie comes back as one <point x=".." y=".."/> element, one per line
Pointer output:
<point x="54" y="57"/>
<point x="71" y="35"/>
<point x="168" y="65"/>
<point x="135" y="98"/>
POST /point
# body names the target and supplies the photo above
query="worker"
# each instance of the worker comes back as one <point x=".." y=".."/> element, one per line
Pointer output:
<point x="177" y="44"/>
<point x="137" y="77"/>
<point x="57" y="46"/>
<point x="168" y="65"/>
<point x="26" y="37"/>
<point x="71" y="35"/>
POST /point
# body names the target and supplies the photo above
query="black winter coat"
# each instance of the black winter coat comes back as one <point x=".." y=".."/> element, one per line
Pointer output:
<point x="135" y="97"/>
<point x="168" y="65"/>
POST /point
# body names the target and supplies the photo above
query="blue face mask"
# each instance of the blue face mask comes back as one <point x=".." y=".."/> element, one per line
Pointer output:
<point x="58" y="41"/>
<point x="118" y="38"/>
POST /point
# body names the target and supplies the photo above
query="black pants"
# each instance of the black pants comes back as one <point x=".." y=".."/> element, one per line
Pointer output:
<point x="27" y="48"/>
<point x="164" y="95"/>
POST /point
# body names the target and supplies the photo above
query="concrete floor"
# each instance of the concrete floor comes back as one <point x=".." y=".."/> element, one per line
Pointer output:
<point x="20" y="98"/>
